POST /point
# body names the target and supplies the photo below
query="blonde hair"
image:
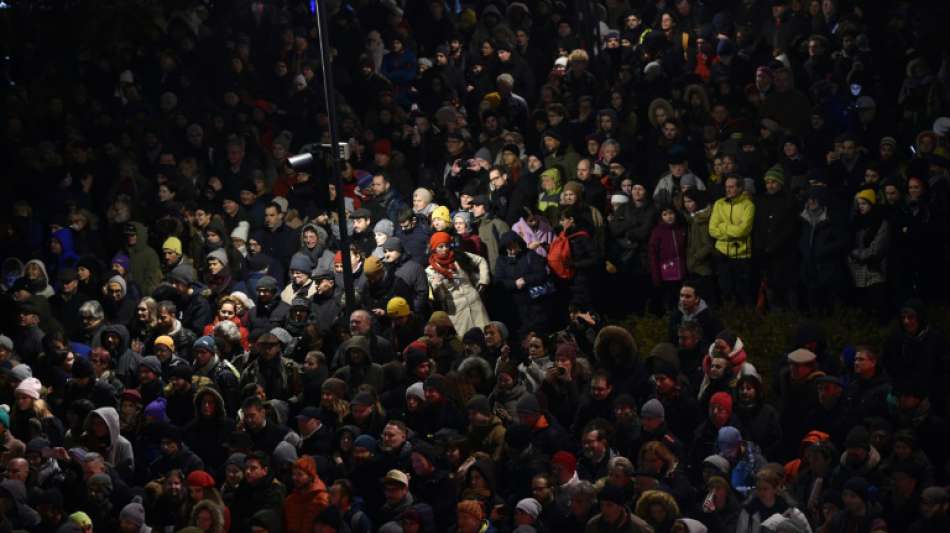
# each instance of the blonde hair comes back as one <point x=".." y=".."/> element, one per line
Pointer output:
<point x="578" y="55"/>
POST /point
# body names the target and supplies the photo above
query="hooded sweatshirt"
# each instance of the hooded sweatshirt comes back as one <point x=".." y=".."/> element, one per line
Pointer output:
<point x="119" y="451"/>
<point x="145" y="268"/>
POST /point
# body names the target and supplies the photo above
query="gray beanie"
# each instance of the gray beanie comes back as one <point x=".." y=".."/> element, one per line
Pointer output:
<point x="653" y="409"/>
<point x="385" y="227"/>
<point x="121" y="282"/>
<point x="183" y="273"/>
<point x="6" y="342"/>
<point x="267" y="282"/>
<point x="301" y="262"/>
<point x="220" y="255"/>
<point x="134" y="512"/>
<point x="502" y="328"/>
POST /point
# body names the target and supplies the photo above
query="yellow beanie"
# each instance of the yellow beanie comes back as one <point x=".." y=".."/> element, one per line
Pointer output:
<point x="173" y="244"/>
<point x="868" y="195"/>
<point x="166" y="341"/>
<point x="441" y="213"/>
<point x="372" y="265"/>
<point x="397" y="307"/>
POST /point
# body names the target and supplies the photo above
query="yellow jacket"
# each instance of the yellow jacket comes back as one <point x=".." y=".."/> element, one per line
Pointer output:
<point x="731" y="226"/>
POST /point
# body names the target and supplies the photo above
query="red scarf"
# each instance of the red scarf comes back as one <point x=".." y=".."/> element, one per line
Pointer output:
<point x="443" y="265"/>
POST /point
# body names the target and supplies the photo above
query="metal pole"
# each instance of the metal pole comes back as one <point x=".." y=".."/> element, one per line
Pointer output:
<point x="330" y="97"/>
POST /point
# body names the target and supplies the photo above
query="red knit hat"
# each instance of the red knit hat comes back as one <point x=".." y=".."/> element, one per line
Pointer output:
<point x="439" y="237"/>
<point x="338" y="258"/>
<point x="722" y="400"/>
<point x="566" y="460"/>
<point x="200" y="478"/>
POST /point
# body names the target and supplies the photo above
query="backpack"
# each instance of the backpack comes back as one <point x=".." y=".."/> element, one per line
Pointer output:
<point x="559" y="255"/>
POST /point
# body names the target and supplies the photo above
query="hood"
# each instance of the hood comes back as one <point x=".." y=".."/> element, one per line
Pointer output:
<point x="700" y="307"/>
<point x="141" y="234"/>
<point x="485" y="467"/>
<point x="40" y="264"/>
<point x="111" y="417"/>
<point x="555" y="175"/>
<point x="651" y="497"/>
<point x="217" y="516"/>
<point x="615" y="345"/>
<point x="65" y="238"/>
<point x="267" y="519"/>
<point x="26" y="516"/>
<point x="218" y="400"/>
<point x="280" y="409"/>
<point x="123" y="333"/>
<point x="321" y="234"/>
<point x="358" y="342"/>
<point x="284" y="454"/>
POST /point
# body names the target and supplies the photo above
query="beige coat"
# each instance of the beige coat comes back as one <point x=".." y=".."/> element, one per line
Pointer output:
<point x="458" y="296"/>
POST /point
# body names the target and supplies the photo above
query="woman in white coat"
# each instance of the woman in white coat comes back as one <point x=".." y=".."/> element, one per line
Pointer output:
<point x="455" y="281"/>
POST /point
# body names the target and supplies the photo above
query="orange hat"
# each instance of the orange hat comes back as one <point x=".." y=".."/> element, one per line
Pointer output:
<point x="372" y="265"/>
<point x="439" y="237"/>
<point x="338" y="258"/>
<point x="308" y="465"/>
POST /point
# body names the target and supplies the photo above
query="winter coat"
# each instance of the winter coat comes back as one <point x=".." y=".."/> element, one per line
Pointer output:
<point x="731" y="225"/>
<point x="490" y="230"/>
<point x="265" y="495"/>
<point x="458" y="296"/>
<point x="773" y="237"/>
<point x="302" y="506"/>
<point x="532" y="299"/>
<point x="821" y="245"/>
<point x="629" y="231"/>
<point x="754" y="513"/>
<point x="867" y="261"/>
<point x="145" y="269"/>
<point x="704" y="316"/>
<point x="207" y="436"/>
<point x="699" y="244"/>
<point x="667" y="187"/>
<point x="667" y="253"/>
<point x="279" y="377"/>
<point x="369" y="372"/>
<point x="414" y="276"/>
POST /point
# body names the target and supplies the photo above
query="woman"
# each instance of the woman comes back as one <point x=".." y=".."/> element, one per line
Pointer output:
<point x="667" y="252"/>
<point x="468" y="241"/>
<point x="35" y="273"/>
<point x="440" y="219"/>
<point x="538" y="363"/>
<point x="867" y="260"/>
<point x="456" y="280"/>
<point x="227" y="310"/>
<point x="422" y="205"/>
<point x="142" y="326"/>
<point x="659" y="509"/>
<point x="202" y="492"/>
<point x="654" y="457"/>
<point x="29" y="407"/>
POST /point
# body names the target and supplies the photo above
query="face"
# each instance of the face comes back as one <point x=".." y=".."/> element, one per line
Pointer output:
<point x="915" y="189"/>
<point x="718" y="415"/>
<point x="864" y="207"/>
<point x="253" y="471"/>
<point x="864" y="364"/>
<point x="593" y="445"/>
<point x="610" y="511"/>
<point x="747" y="392"/>
<point x="910" y="322"/>
<point x="254" y="417"/>
<point x="717" y="368"/>
<point x="393" y="437"/>
<point x="732" y="188"/>
<point x="600" y="389"/>
<point x="772" y="186"/>
<point x="272" y="217"/>
<point x="668" y="216"/>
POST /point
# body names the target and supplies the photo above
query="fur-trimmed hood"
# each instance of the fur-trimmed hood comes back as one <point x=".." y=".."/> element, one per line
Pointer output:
<point x="615" y="346"/>
<point x="217" y="515"/>
<point x="478" y="364"/>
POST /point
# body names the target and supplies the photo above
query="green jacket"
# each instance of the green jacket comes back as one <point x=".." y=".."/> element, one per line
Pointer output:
<point x="699" y="244"/>
<point x="145" y="268"/>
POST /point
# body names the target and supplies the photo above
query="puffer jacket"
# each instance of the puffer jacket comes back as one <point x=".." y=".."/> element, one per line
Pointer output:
<point x="731" y="225"/>
<point x="302" y="506"/>
<point x="699" y="244"/>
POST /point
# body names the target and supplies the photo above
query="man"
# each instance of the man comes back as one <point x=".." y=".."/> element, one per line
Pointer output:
<point x="317" y="438"/>
<point x="300" y="286"/>
<point x="168" y="325"/>
<point x="934" y="504"/>
<point x="270" y="311"/>
<point x="867" y="394"/>
<point x="358" y="368"/>
<point x="278" y="375"/>
<point x="386" y="202"/>
<point x="394" y="447"/>
<point x="259" y="491"/>
<point x="173" y="255"/>
<point x="485" y="433"/>
<point x="194" y="310"/>
<point x="264" y="435"/>
<point x="915" y="351"/>
<point x="308" y="499"/>
<point x="350" y="510"/>
<point x="220" y="372"/>
<point x="682" y="412"/>
<point x="490" y="229"/>
<point x="692" y="307"/>
<point x="596" y="452"/>
<point x="277" y="239"/>
<point x="440" y="412"/>
<point x="414" y="236"/>
<point x="66" y="302"/>
<point x="361" y="323"/>
<point x="174" y="454"/>
<point x="614" y="517"/>
<point x="731" y="225"/>
<point x="397" y="496"/>
<point x="432" y="484"/>
<point x="410" y="272"/>
<point x="547" y="435"/>
<point x="558" y="153"/>
<point x="363" y="236"/>
<point x="145" y="268"/>
<point x="597" y="402"/>
<point x="774" y="236"/>
<point x="29" y="336"/>
<point x="670" y="185"/>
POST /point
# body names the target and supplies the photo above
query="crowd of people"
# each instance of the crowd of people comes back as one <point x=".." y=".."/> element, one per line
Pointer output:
<point x="178" y="352"/>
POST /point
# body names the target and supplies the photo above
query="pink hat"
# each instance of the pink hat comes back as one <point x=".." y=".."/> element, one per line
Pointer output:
<point x="30" y="387"/>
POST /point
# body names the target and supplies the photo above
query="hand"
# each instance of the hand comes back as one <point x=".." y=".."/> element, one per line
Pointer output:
<point x="519" y="283"/>
<point x="586" y="317"/>
<point x="60" y="453"/>
<point x="551" y="374"/>
<point x="534" y="245"/>
<point x="379" y="312"/>
<point x="456" y="166"/>
<point x="505" y="352"/>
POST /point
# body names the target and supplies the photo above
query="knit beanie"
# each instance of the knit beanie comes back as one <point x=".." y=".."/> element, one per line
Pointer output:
<point x="528" y="405"/>
<point x="200" y="478"/>
<point x="173" y="244"/>
<point x="501" y="327"/>
<point x="385" y="227"/>
<point x="575" y="187"/>
<point x="30" y="387"/>
<point x="728" y="440"/>
<point x="565" y="459"/>
<point x="439" y="237"/>
<point x="165" y="340"/>
<point x="858" y="437"/>
<point x="867" y="195"/>
<point x="653" y="409"/>
<point x="302" y="263"/>
<point x="722" y="400"/>
<point x="776" y="173"/>
<point x="479" y="404"/>
<point x="416" y="390"/>
<point x="218" y="254"/>
<point x="134" y="512"/>
<point x="441" y="213"/>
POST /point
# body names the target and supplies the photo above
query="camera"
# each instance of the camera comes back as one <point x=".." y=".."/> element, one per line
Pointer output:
<point x="561" y="371"/>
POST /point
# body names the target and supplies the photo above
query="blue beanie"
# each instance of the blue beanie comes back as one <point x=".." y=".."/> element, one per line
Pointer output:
<point x="204" y="343"/>
<point x="365" y="441"/>
<point x="301" y="262"/>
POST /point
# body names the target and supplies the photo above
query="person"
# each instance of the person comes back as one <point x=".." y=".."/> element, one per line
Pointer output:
<point x="456" y="281"/>
<point x="731" y="225"/>
<point x="308" y="498"/>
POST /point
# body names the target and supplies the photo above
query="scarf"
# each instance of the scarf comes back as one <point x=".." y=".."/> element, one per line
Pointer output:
<point x="444" y="265"/>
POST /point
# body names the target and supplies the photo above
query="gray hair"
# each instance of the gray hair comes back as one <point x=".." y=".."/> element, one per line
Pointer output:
<point x="228" y="330"/>
<point x="93" y="309"/>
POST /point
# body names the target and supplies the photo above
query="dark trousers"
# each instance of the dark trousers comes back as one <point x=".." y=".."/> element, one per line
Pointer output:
<point x="735" y="279"/>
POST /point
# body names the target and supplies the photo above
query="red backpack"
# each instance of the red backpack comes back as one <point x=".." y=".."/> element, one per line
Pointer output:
<point x="560" y="260"/>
